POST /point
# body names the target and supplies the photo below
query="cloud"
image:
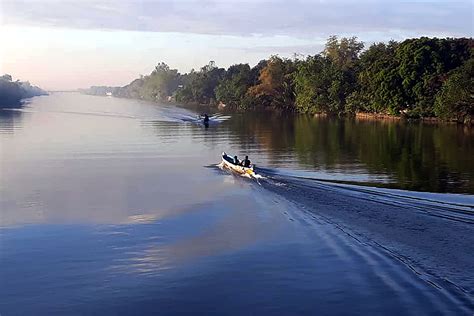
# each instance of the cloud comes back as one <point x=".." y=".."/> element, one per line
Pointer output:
<point x="298" y="18"/>
<point x="62" y="44"/>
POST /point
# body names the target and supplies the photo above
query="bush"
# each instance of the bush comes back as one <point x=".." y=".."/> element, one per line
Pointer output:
<point x="455" y="100"/>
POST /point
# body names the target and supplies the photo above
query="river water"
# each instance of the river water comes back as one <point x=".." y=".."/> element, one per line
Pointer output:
<point x="117" y="206"/>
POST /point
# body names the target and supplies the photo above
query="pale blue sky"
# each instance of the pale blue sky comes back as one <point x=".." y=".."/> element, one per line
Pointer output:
<point x="70" y="44"/>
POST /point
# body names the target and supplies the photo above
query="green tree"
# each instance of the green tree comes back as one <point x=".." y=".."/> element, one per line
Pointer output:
<point x="313" y="81"/>
<point x="323" y="82"/>
<point x="343" y="52"/>
<point x="423" y="64"/>
<point x="233" y="87"/>
<point x="198" y="87"/>
<point x="11" y="92"/>
<point x="184" y="92"/>
<point x="6" y="77"/>
<point x="404" y="78"/>
<point x="455" y="100"/>
<point x="161" y="83"/>
<point x="275" y="86"/>
<point x="133" y="90"/>
<point x="394" y="78"/>
<point x="208" y="79"/>
<point x="379" y="85"/>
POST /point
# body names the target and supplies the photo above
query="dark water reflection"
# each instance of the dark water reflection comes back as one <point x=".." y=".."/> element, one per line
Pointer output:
<point x="10" y="121"/>
<point x="412" y="156"/>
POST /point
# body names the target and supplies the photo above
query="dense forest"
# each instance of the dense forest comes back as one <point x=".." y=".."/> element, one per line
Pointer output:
<point x="12" y="92"/>
<point x="416" y="78"/>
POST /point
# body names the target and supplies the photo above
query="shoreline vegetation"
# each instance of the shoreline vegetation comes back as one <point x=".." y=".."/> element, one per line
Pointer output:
<point x="12" y="92"/>
<point x="422" y="78"/>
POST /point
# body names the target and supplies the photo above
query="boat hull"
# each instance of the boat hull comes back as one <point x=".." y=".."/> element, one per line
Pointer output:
<point x="236" y="168"/>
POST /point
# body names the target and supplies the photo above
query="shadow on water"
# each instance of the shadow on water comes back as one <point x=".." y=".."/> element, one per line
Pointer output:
<point x="10" y="121"/>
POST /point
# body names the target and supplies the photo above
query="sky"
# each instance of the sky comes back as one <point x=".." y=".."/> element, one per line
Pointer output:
<point x="65" y="44"/>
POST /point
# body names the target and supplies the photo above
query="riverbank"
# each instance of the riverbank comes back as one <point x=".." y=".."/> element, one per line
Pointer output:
<point x="341" y="80"/>
<point x="13" y="92"/>
<point x="361" y="116"/>
<point x="468" y="122"/>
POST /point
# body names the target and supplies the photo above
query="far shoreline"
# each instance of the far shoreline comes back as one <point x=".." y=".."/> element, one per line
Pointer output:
<point x="359" y="116"/>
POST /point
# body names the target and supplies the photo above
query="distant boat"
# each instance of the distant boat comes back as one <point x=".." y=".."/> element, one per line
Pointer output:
<point x="109" y="94"/>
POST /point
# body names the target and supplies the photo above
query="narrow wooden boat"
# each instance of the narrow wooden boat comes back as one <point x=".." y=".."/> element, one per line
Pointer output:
<point x="228" y="162"/>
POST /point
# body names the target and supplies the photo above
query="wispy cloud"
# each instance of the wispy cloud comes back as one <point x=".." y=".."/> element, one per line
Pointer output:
<point x="62" y="44"/>
<point x="293" y="18"/>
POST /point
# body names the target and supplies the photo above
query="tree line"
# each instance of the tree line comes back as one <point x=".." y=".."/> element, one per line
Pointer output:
<point x="422" y="77"/>
<point x="12" y="92"/>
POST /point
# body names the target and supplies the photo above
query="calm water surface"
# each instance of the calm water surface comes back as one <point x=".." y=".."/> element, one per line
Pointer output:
<point x="116" y="206"/>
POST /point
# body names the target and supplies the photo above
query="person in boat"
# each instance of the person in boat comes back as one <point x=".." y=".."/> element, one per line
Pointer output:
<point x="206" y="119"/>
<point x="246" y="162"/>
<point x="236" y="161"/>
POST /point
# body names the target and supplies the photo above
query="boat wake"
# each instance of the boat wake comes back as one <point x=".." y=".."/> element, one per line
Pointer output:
<point x="123" y="108"/>
<point x="214" y="119"/>
<point x="430" y="233"/>
<point x="456" y="207"/>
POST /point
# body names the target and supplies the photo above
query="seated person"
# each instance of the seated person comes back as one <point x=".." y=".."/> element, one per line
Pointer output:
<point x="236" y="161"/>
<point x="246" y="162"/>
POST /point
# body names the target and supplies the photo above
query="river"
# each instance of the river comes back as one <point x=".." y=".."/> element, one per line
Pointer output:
<point x="117" y="206"/>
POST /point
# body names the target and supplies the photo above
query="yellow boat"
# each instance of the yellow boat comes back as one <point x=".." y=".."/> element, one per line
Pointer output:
<point x="228" y="162"/>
